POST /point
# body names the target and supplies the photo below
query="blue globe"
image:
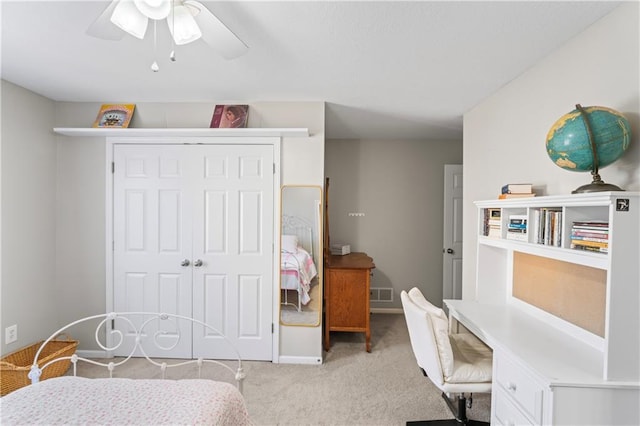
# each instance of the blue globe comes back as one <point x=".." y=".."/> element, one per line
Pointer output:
<point x="568" y="143"/>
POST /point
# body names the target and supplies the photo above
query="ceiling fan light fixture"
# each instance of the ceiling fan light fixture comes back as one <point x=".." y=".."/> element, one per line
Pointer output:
<point x="128" y="18"/>
<point x="182" y="26"/>
<point x="154" y="9"/>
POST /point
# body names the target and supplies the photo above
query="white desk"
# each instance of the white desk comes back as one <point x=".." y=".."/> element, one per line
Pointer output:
<point x="542" y="375"/>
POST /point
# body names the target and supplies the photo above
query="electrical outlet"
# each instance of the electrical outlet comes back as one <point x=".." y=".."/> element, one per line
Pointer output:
<point x="11" y="334"/>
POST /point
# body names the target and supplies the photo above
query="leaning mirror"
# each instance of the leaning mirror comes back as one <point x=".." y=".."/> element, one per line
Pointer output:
<point x="301" y="256"/>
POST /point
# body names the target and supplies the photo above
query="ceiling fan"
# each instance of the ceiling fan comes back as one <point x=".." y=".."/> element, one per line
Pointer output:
<point x="188" y="21"/>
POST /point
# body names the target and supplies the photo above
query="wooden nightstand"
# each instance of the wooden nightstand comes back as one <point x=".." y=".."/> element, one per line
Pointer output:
<point x="347" y="282"/>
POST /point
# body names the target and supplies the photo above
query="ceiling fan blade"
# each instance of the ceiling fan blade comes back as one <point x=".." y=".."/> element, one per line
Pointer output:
<point x="216" y="34"/>
<point x="102" y="26"/>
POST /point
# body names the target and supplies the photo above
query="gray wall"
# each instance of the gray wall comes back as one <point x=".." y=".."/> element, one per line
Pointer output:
<point x="28" y="293"/>
<point x="399" y="186"/>
<point x="504" y="136"/>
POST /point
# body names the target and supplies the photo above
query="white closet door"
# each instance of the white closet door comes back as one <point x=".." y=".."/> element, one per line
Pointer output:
<point x="233" y="237"/>
<point x="211" y="205"/>
<point x="152" y="236"/>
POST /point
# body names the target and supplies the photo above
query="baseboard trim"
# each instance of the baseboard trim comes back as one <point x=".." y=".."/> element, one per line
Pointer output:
<point x="386" y="311"/>
<point x="92" y="354"/>
<point x="286" y="359"/>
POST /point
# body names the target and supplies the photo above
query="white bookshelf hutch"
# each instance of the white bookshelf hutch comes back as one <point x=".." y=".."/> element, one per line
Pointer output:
<point x="564" y="323"/>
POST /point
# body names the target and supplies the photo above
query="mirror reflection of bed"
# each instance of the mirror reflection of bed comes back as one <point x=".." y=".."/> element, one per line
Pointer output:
<point x="300" y="257"/>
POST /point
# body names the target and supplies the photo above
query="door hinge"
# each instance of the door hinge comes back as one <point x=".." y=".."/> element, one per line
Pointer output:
<point x="274" y="168"/>
<point x="113" y="167"/>
<point x="113" y="324"/>
<point x="272" y="328"/>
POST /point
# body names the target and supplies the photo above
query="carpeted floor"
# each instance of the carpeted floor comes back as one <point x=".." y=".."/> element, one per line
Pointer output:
<point x="351" y="387"/>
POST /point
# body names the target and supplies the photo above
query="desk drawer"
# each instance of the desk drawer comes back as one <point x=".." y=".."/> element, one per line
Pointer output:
<point x="520" y="384"/>
<point x="506" y="412"/>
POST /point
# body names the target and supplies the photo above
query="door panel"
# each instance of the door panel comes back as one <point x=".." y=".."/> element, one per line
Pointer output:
<point x="250" y="289"/>
<point x="215" y="222"/>
<point x="250" y="221"/>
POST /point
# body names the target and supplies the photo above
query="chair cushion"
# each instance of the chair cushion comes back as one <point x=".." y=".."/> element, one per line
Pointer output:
<point x="440" y="325"/>
<point x="472" y="360"/>
<point x="441" y="333"/>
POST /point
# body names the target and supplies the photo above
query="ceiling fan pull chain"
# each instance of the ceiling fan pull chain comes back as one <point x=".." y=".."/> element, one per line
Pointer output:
<point x="172" y="55"/>
<point x="154" y="65"/>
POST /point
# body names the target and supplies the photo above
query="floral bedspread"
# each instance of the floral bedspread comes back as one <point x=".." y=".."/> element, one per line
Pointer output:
<point x="78" y="400"/>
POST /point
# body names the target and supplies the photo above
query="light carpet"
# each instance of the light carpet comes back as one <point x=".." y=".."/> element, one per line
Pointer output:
<point x="351" y="387"/>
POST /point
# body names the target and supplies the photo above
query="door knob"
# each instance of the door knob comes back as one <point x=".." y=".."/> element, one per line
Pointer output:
<point x="450" y="251"/>
<point x="198" y="263"/>
<point x="185" y="262"/>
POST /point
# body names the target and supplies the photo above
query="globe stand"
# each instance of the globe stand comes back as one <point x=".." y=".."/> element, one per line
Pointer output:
<point x="597" y="185"/>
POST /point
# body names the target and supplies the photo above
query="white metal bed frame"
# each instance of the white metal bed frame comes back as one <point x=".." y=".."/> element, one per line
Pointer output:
<point x="139" y="337"/>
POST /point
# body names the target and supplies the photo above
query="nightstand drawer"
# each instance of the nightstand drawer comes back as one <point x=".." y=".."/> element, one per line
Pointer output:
<point x="520" y="384"/>
<point x="505" y="411"/>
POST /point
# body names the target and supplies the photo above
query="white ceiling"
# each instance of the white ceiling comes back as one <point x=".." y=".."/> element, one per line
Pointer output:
<point x="386" y="69"/>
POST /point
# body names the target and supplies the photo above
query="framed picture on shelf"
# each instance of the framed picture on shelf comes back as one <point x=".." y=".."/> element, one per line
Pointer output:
<point x="114" y="115"/>
<point x="229" y="116"/>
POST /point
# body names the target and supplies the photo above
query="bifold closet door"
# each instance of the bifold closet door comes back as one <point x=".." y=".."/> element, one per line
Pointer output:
<point x="152" y="209"/>
<point x="233" y="238"/>
<point x="193" y="235"/>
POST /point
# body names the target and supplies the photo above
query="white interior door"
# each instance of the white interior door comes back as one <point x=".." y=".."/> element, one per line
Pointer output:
<point x="193" y="235"/>
<point x="452" y="238"/>
<point x="233" y="238"/>
<point x="152" y="236"/>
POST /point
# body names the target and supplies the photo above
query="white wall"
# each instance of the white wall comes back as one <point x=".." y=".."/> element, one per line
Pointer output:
<point x="399" y="186"/>
<point x="504" y="136"/>
<point x="28" y="283"/>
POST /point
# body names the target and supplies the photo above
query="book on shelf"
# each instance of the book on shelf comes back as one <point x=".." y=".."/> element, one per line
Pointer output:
<point x="590" y="248"/>
<point x="578" y="237"/>
<point x="517" y="188"/>
<point x="590" y="232"/>
<point x="598" y="225"/>
<point x="516" y="195"/>
<point x="517" y="228"/>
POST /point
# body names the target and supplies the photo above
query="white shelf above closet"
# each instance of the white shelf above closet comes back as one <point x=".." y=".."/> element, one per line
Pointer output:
<point x="182" y="132"/>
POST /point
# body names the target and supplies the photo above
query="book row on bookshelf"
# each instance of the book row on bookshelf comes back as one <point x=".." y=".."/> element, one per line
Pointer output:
<point x="590" y="236"/>
<point x="547" y="226"/>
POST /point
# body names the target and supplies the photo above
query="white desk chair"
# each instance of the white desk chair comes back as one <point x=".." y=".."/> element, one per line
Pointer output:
<point x="455" y="363"/>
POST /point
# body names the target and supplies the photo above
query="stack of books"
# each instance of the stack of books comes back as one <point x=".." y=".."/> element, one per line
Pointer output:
<point x="592" y="235"/>
<point x="340" y="249"/>
<point x="517" y="228"/>
<point x="516" y="190"/>
<point x="492" y="223"/>
<point x="547" y="226"/>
